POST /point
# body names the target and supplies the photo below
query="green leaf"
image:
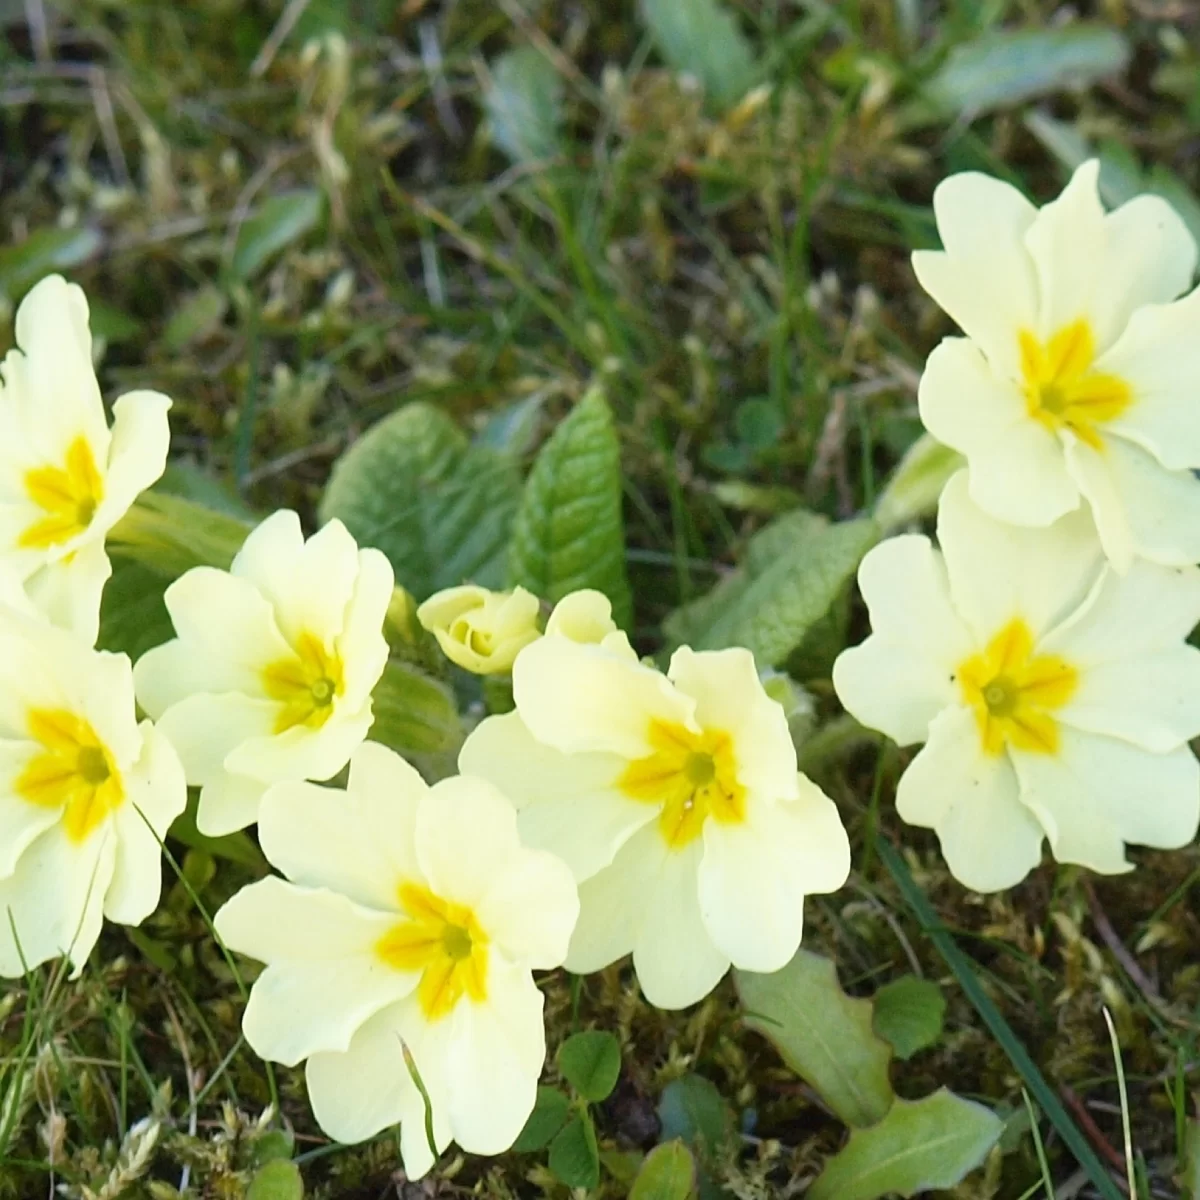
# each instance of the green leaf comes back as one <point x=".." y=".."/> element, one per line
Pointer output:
<point x="197" y="316"/>
<point x="43" y="252"/>
<point x="170" y="534"/>
<point x="276" y="224"/>
<point x="693" y="1109"/>
<point x="569" y="533"/>
<point x="921" y="1145"/>
<point x="274" y="1144"/>
<point x="1120" y="173"/>
<point x="1000" y="70"/>
<point x="414" y="714"/>
<point x="912" y="491"/>
<point x="822" y="1034"/>
<point x="669" y="1173"/>
<point x="550" y="1112"/>
<point x="574" y="1155"/>
<point x="909" y="1013"/>
<point x="276" y="1180"/>
<point x="591" y="1062"/>
<point x="1162" y="181"/>
<point x="702" y="38"/>
<point x="794" y="570"/>
<point x="438" y="507"/>
<point x="133" y="617"/>
<point x="512" y="429"/>
<point x="192" y="482"/>
<point x="523" y="99"/>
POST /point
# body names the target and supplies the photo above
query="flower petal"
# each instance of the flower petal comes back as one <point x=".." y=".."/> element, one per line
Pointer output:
<point x="1098" y="793"/>
<point x="964" y="401"/>
<point x="583" y="616"/>
<point x="358" y="842"/>
<point x="579" y="698"/>
<point x="323" y="978"/>
<point x="998" y="571"/>
<point x="984" y="279"/>
<point x="989" y="839"/>
<point x="20" y="821"/>
<point x="137" y="455"/>
<point x="895" y="689"/>
<point x="1140" y="508"/>
<point x="1021" y="477"/>
<point x="228" y="803"/>
<point x="362" y="645"/>
<point x="530" y="910"/>
<point x="205" y="728"/>
<point x="301" y="752"/>
<point x="68" y="592"/>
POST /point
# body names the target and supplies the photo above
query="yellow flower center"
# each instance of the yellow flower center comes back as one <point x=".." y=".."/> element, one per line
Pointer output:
<point x="68" y="495"/>
<point x="1013" y="691"/>
<point x="74" y="772"/>
<point x="1061" y="388"/>
<point x="306" y="684"/>
<point x="445" y="943"/>
<point x="691" y="776"/>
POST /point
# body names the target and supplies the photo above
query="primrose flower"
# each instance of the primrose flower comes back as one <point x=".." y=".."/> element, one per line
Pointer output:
<point x="676" y="802"/>
<point x="1055" y="697"/>
<point x="410" y="920"/>
<point x="584" y="616"/>
<point x="269" y="678"/>
<point x="479" y="630"/>
<point x="86" y="794"/>
<point x="66" y="478"/>
<point x="1077" y="376"/>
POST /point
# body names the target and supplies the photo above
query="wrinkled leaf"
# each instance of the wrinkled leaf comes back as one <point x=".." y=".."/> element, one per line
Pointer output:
<point x="133" y="617"/>
<point x="278" y="222"/>
<point x="574" y="1155"/>
<point x="909" y="1013"/>
<point x="276" y="1180"/>
<point x="439" y="508"/>
<point x="523" y="99"/>
<point x="669" y="1173"/>
<point x="569" y="532"/>
<point x="414" y="714"/>
<point x="919" y="1146"/>
<point x="550" y="1112"/>
<point x="702" y="38"/>
<point x="170" y="534"/>
<point x="794" y="570"/>
<point x="822" y="1034"/>
<point x="1000" y="70"/>
<point x="191" y="482"/>
<point x="591" y="1062"/>
<point x="43" y="252"/>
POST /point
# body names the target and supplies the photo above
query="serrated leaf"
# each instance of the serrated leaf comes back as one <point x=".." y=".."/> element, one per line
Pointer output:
<point x="133" y="617"/>
<point x="824" y="1035"/>
<point x="550" y="1112"/>
<point x="794" y="569"/>
<point x="574" y="1155"/>
<point x="439" y="508"/>
<point x="702" y="38"/>
<point x="569" y="533"/>
<point x="920" y="1146"/>
<point x="42" y="252"/>
<point x="591" y="1063"/>
<point x="999" y="70"/>
<point x="277" y="223"/>
<point x="523" y="99"/>
<point x="414" y="714"/>
<point x="909" y="1013"/>
<point x="276" y="1180"/>
<point x="669" y="1173"/>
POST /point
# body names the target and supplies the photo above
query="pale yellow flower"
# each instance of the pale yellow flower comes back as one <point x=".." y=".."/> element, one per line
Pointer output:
<point x="411" y="918"/>
<point x="1056" y="697"/>
<point x="66" y="478"/>
<point x="270" y="676"/>
<point x="480" y="630"/>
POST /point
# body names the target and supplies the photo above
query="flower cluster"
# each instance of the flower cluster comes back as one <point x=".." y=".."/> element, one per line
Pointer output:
<point x="1039" y="652"/>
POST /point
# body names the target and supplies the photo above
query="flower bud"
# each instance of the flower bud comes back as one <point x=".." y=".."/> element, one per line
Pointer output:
<point x="480" y="630"/>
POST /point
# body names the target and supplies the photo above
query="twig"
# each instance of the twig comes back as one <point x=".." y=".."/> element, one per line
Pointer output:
<point x="286" y="23"/>
<point x="1119" y="951"/>
<point x="1094" y="1133"/>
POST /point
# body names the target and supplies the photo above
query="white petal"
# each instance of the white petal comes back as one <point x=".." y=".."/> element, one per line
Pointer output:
<point x="358" y="1092"/>
<point x="312" y="597"/>
<point x="155" y="794"/>
<point x="466" y="838"/>
<point x="530" y="909"/>
<point x="303" y="753"/>
<point x="494" y="1061"/>
<point x="676" y="962"/>
<point x="730" y="698"/>
<point x="752" y="877"/>
<point x="358" y="842"/>
<point x="362" y="646"/>
<point x="1097" y="793"/>
<point x="583" y="616"/>
<point x="998" y="571"/>
<point x="989" y="839"/>
<point x="269" y="551"/>
<point x="1021" y="477"/>
<point x="984" y="279"/>
<point x="137" y="455"/>
<point x="54" y="900"/>
<point x="1158" y="355"/>
<point x="101" y="685"/>
<point x="229" y="803"/>
<point x="895" y="689"/>
<point x="323" y="979"/>
<point x="964" y="401"/>
<point x="20" y="821"/>
<point x="1140" y="508"/>
<point x="68" y="592"/>
<point x="583" y="698"/>
<point x="205" y="728"/>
